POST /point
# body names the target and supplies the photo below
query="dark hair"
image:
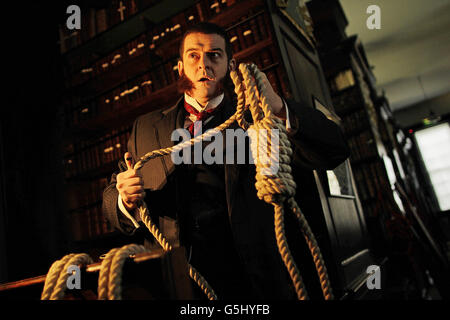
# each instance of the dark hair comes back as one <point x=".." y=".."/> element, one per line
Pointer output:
<point x="208" y="28"/>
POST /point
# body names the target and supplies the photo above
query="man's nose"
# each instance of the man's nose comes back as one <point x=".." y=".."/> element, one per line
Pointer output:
<point x="204" y="62"/>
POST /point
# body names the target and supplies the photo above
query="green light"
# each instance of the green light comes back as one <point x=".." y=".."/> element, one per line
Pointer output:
<point x="427" y="121"/>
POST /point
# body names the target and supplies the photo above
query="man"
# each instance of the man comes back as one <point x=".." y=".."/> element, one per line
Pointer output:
<point x="227" y="231"/>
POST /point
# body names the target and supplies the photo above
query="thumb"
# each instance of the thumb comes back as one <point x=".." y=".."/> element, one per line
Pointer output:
<point x="128" y="160"/>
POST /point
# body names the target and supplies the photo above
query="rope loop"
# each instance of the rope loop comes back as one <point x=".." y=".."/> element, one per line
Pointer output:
<point x="110" y="277"/>
<point x="56" y="280"/>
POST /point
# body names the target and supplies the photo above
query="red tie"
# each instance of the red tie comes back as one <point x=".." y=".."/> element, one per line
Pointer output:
<point x="200" y="116"/>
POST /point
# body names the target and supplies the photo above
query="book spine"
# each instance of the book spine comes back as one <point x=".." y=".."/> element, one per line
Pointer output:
<point x="240" y="35"/>
<point x="256" y="36"/>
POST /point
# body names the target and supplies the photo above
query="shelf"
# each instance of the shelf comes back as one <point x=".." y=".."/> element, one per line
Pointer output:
<point x="341" y="92"/>
<point x="170" y="47"/>
<point x="85" y="207"/>
<point x="357" y="131"/>
<point x="365" y="160"/>
<point x="104" y="171"/>
<point x="111" y="39"/>
<point x="120" y="117"/>
<point x="156" y="100"/>
<point x="241" y="8"/>
<point x="104" y="81"/>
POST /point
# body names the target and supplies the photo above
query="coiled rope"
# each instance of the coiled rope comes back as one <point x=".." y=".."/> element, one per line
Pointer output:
<point x="274" y="189"/>
<point x="110" y="277"/>
<point x="56" y="279"/>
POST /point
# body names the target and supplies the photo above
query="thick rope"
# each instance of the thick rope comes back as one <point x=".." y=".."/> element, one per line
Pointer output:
<point x="277" y="188"/>
<point x="193" y="273"/>
<point x="274" y="189"/>
<point x="56" y="279"/>
<point x="103" y="277"/>
<point x="110" y="277"/>
<point x="314" y="249"/>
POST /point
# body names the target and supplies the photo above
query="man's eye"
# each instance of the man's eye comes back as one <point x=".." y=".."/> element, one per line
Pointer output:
<point x="214" y="54"/>
<point x="193" y="55"/>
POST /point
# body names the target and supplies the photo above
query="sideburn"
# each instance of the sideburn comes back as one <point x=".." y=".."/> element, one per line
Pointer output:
<point x="184" y="84"/>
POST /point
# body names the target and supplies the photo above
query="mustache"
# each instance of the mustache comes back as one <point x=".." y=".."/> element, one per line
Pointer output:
<point x="184" y="84"/>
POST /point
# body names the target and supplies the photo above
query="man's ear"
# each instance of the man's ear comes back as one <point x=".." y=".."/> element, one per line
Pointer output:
<point x="180" y="67"/>
<point x="232" y="65"/>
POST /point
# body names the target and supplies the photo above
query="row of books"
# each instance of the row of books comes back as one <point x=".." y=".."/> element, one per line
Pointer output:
<point x="342" y="80"/>
<point x="347" y="101"/>
<point x="162" y="41"/>
<point x="78" y="109"/>
<point x="362" y="146"/>
<point x="90" y="155"/>
<point x="355" y="122"/>
<point x="86" y="219"/>
<point x="250" y="30"/>
<point x="370" y="180"/>
<point x="97" y="19"/>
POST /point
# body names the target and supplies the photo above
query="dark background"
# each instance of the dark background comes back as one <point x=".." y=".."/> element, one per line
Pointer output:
<point x="31" y="232"/>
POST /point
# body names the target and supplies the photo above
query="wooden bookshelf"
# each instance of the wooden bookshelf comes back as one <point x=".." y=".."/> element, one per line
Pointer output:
<point x="367" y="122"/>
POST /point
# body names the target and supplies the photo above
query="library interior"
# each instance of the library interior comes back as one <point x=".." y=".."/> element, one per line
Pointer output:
<point x="358" y="93"/>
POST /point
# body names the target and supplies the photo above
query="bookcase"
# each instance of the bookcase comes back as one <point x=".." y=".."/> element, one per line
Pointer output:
<point x="105" y="90"/>
<point x="358" y="104"/>
<point x="99" y="16"/>
<point x="383" y="159"/>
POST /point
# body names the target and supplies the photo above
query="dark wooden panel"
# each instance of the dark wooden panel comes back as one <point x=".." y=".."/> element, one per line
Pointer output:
<point x="352" y="254"/>
<point x="305" y="74"/>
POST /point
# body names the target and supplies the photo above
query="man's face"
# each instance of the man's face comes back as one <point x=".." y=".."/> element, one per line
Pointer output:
<point x="205" y="63"/>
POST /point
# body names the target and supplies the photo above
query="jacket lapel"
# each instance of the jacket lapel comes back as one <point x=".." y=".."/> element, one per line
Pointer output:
<point x="232" y="171"/>
<point x="172" y="119"/>
<point x="155" y="134"/>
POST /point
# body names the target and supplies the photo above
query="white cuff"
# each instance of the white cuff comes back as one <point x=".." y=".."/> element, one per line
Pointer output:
<point x="125" y="212"/>
<point x="288" y="122"/>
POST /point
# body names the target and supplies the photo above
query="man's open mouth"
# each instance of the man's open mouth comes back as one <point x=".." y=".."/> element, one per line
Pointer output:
<point x="205" y="79"/>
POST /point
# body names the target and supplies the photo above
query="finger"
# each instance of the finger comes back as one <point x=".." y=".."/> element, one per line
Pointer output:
<point x="264" y="80"/>
<point x="132" y="173"/>
<point x="128" y="160"/>
<point x="133" y="198"/>
<point x="134" y="190"/>
<point x="132" y="182"/>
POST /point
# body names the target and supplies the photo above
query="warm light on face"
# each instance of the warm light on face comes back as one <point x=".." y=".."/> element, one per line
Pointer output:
<point x="205" y="63"/>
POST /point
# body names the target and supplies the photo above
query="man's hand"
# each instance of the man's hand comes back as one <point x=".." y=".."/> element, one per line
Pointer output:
<point x="273" y="99"/>
<point x="130" y="185"/>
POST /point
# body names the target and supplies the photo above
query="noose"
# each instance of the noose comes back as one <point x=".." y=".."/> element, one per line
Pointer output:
<point x="275" y="189"/>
